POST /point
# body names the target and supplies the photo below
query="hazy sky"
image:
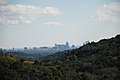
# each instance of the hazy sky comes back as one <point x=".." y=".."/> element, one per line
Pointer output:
<point x="45" y="22"/>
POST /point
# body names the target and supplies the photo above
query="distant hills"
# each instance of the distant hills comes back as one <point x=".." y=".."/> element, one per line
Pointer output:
<point x="92" y="61"/>
<point x="94" y="48"/>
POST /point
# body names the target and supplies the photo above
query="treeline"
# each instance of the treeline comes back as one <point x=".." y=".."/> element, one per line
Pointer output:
<point x="92" y="61"/>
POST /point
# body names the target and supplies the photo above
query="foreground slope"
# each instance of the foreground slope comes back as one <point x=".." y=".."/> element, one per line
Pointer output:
<point x="93" y="61"/>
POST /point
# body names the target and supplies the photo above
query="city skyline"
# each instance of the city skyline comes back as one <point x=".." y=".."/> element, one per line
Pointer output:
<point x="55" y="46"/>
<point x="42" y="49"/>
<point x="45" y="22"/>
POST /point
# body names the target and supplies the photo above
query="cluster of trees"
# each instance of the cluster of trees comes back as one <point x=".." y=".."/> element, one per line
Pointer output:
<point x="92" y="61"/>
<point x="33" y="56"/>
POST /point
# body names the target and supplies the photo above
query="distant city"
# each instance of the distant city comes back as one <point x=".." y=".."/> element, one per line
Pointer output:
<point x="43" y="49"/>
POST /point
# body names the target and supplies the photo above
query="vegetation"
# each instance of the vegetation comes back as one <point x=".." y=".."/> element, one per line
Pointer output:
<point x="92" y="61"/>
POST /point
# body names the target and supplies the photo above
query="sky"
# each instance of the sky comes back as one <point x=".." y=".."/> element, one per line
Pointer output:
<point x="29" y="23"/>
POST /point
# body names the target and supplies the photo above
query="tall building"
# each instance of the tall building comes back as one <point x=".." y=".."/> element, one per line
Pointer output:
<point x="67" y="45"/>
<point x="62" y="46"/>
<point x="25" y="48"/>
<point x="73" y="46"/>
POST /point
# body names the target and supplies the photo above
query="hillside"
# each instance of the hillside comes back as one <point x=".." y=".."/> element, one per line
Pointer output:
<point x="92" y="61"/>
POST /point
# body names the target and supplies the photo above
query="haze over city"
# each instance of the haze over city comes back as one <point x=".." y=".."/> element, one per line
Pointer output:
<point x="46" y="22"/>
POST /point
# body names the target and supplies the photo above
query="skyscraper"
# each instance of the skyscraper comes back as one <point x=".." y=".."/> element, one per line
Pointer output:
<point x="67" y="45"/>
